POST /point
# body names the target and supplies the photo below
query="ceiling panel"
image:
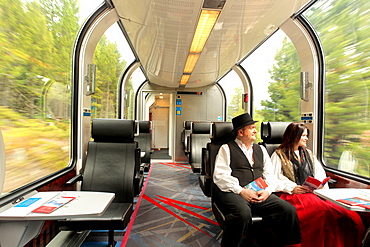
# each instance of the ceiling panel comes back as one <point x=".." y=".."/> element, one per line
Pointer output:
<point x="161" y="33"/>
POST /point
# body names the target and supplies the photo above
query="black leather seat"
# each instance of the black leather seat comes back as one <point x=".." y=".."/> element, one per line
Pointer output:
<point x="272" y="135"/>
<point x="144" y="140"/>
<point x="185" y="136"/>
<point x="110" y="167"/>
<point x="139" y="176"/>
<point x="199" y="137"/>
<point x="221" y="134"/>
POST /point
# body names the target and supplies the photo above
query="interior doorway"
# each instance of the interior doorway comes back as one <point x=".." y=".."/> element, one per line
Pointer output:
<point x="159" y="115"/>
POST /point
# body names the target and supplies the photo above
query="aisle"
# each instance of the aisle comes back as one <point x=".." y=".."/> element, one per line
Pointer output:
<point x="172" y="210"/>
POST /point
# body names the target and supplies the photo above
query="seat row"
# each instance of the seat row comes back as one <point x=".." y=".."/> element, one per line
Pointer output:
<point x="221" y="133"/>
<point x="196" y="136"/>
<point x="115" y="161"/>
<point x="202" y="139"/>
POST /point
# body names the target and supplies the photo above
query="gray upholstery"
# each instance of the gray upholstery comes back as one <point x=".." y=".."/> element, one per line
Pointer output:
<point x="199" y="138"/>
<point x="272" y="134"/>
<point x="144" y="139"/>
<point x="110" y="167"/>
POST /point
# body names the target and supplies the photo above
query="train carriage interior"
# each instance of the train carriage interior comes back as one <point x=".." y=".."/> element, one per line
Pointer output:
<point x="133" y="99"/>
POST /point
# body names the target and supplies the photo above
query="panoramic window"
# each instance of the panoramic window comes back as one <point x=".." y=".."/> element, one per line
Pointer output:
<point x="343" y="30"/>
<point x="274" y="71"/>
<point x="233" y="88"/>
<point x="136" y="79"/>
<point x="37" y="39"/>
<point x="110" y="58"/>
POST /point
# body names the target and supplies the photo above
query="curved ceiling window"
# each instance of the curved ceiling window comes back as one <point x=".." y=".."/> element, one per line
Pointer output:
<point x="343" y="29"/>
<point x="233" y="88"/>
<point x="132" y="87"/>
<point x="274" y="71"/>
<point x="112" y="56"/>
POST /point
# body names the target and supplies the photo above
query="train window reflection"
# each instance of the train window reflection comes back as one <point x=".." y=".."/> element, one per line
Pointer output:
<point x="35" y="92"/>
<point x="274" y="70"/>
<point x="343" y="31"/>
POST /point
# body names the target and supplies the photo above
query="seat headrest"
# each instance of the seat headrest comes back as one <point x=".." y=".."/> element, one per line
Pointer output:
<point x="144" y="126"/>
<point x="272" y="132"/>
<point x="201" y="127"/>
<point x="113" y="130"/>
<point x="222" y="133"/>
<point x="187" y="125"/>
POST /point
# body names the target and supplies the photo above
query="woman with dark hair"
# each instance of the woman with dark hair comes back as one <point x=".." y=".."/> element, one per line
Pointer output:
<point x="322" y="223"/>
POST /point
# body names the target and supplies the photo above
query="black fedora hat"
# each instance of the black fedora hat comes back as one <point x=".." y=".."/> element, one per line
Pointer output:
<point x="241" y="121"/>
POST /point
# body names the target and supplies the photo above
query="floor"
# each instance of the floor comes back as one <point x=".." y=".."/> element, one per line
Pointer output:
<point x="170" y="211"/>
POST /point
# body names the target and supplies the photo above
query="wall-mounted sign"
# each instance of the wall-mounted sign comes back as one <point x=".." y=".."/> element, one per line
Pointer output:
<point x="178" y="110"/>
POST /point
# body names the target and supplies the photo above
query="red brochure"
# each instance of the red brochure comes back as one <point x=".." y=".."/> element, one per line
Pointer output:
<point x="53" y="204"/>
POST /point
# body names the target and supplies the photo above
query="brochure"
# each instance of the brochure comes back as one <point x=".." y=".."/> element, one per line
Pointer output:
<point x="356" y="201"/>
<point x="53" y="204"/>
<point x="256" y="185"/>
<point x="313" y="183"/>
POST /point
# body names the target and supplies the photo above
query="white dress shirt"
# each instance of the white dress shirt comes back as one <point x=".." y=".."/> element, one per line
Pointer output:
<point x="222" y="173"/>
<point x="287" y="185"/>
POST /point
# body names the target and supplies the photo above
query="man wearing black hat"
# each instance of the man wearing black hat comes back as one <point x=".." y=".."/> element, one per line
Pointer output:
<point x="237" y="164"/>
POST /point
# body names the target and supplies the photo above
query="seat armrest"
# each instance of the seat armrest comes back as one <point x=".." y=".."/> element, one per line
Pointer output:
<point x="137" y="161"/>
<point x="75" y="179"/>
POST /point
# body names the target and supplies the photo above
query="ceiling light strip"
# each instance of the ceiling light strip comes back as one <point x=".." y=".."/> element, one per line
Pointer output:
<point x="205" y="25"/>
<point x="190" y="63"/>
<point x="184" y="79"/>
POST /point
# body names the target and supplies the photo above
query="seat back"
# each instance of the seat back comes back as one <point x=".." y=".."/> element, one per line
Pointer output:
<point x="272" y="134"/>
<point x="222" y="133"/>
<point x="199" y="137"/>
<point x="110" y="159"/>
<point x="144" y="140"/>
<point x="185" y="135"/>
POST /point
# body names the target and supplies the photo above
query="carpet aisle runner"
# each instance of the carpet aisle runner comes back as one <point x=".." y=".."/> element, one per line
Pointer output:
<point x="172" y="210"/>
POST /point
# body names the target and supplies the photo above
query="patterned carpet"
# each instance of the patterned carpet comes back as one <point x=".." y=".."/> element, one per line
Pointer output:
<point x="172" y="210"/>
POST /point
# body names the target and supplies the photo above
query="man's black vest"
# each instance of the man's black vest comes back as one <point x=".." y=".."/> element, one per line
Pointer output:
<point x="240" y="166"/>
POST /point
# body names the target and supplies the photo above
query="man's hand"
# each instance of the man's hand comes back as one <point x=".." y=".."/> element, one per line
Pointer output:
<point x="249" y="195"/>
<point x="262" y="196"/>
<point x="254" y="196"/>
